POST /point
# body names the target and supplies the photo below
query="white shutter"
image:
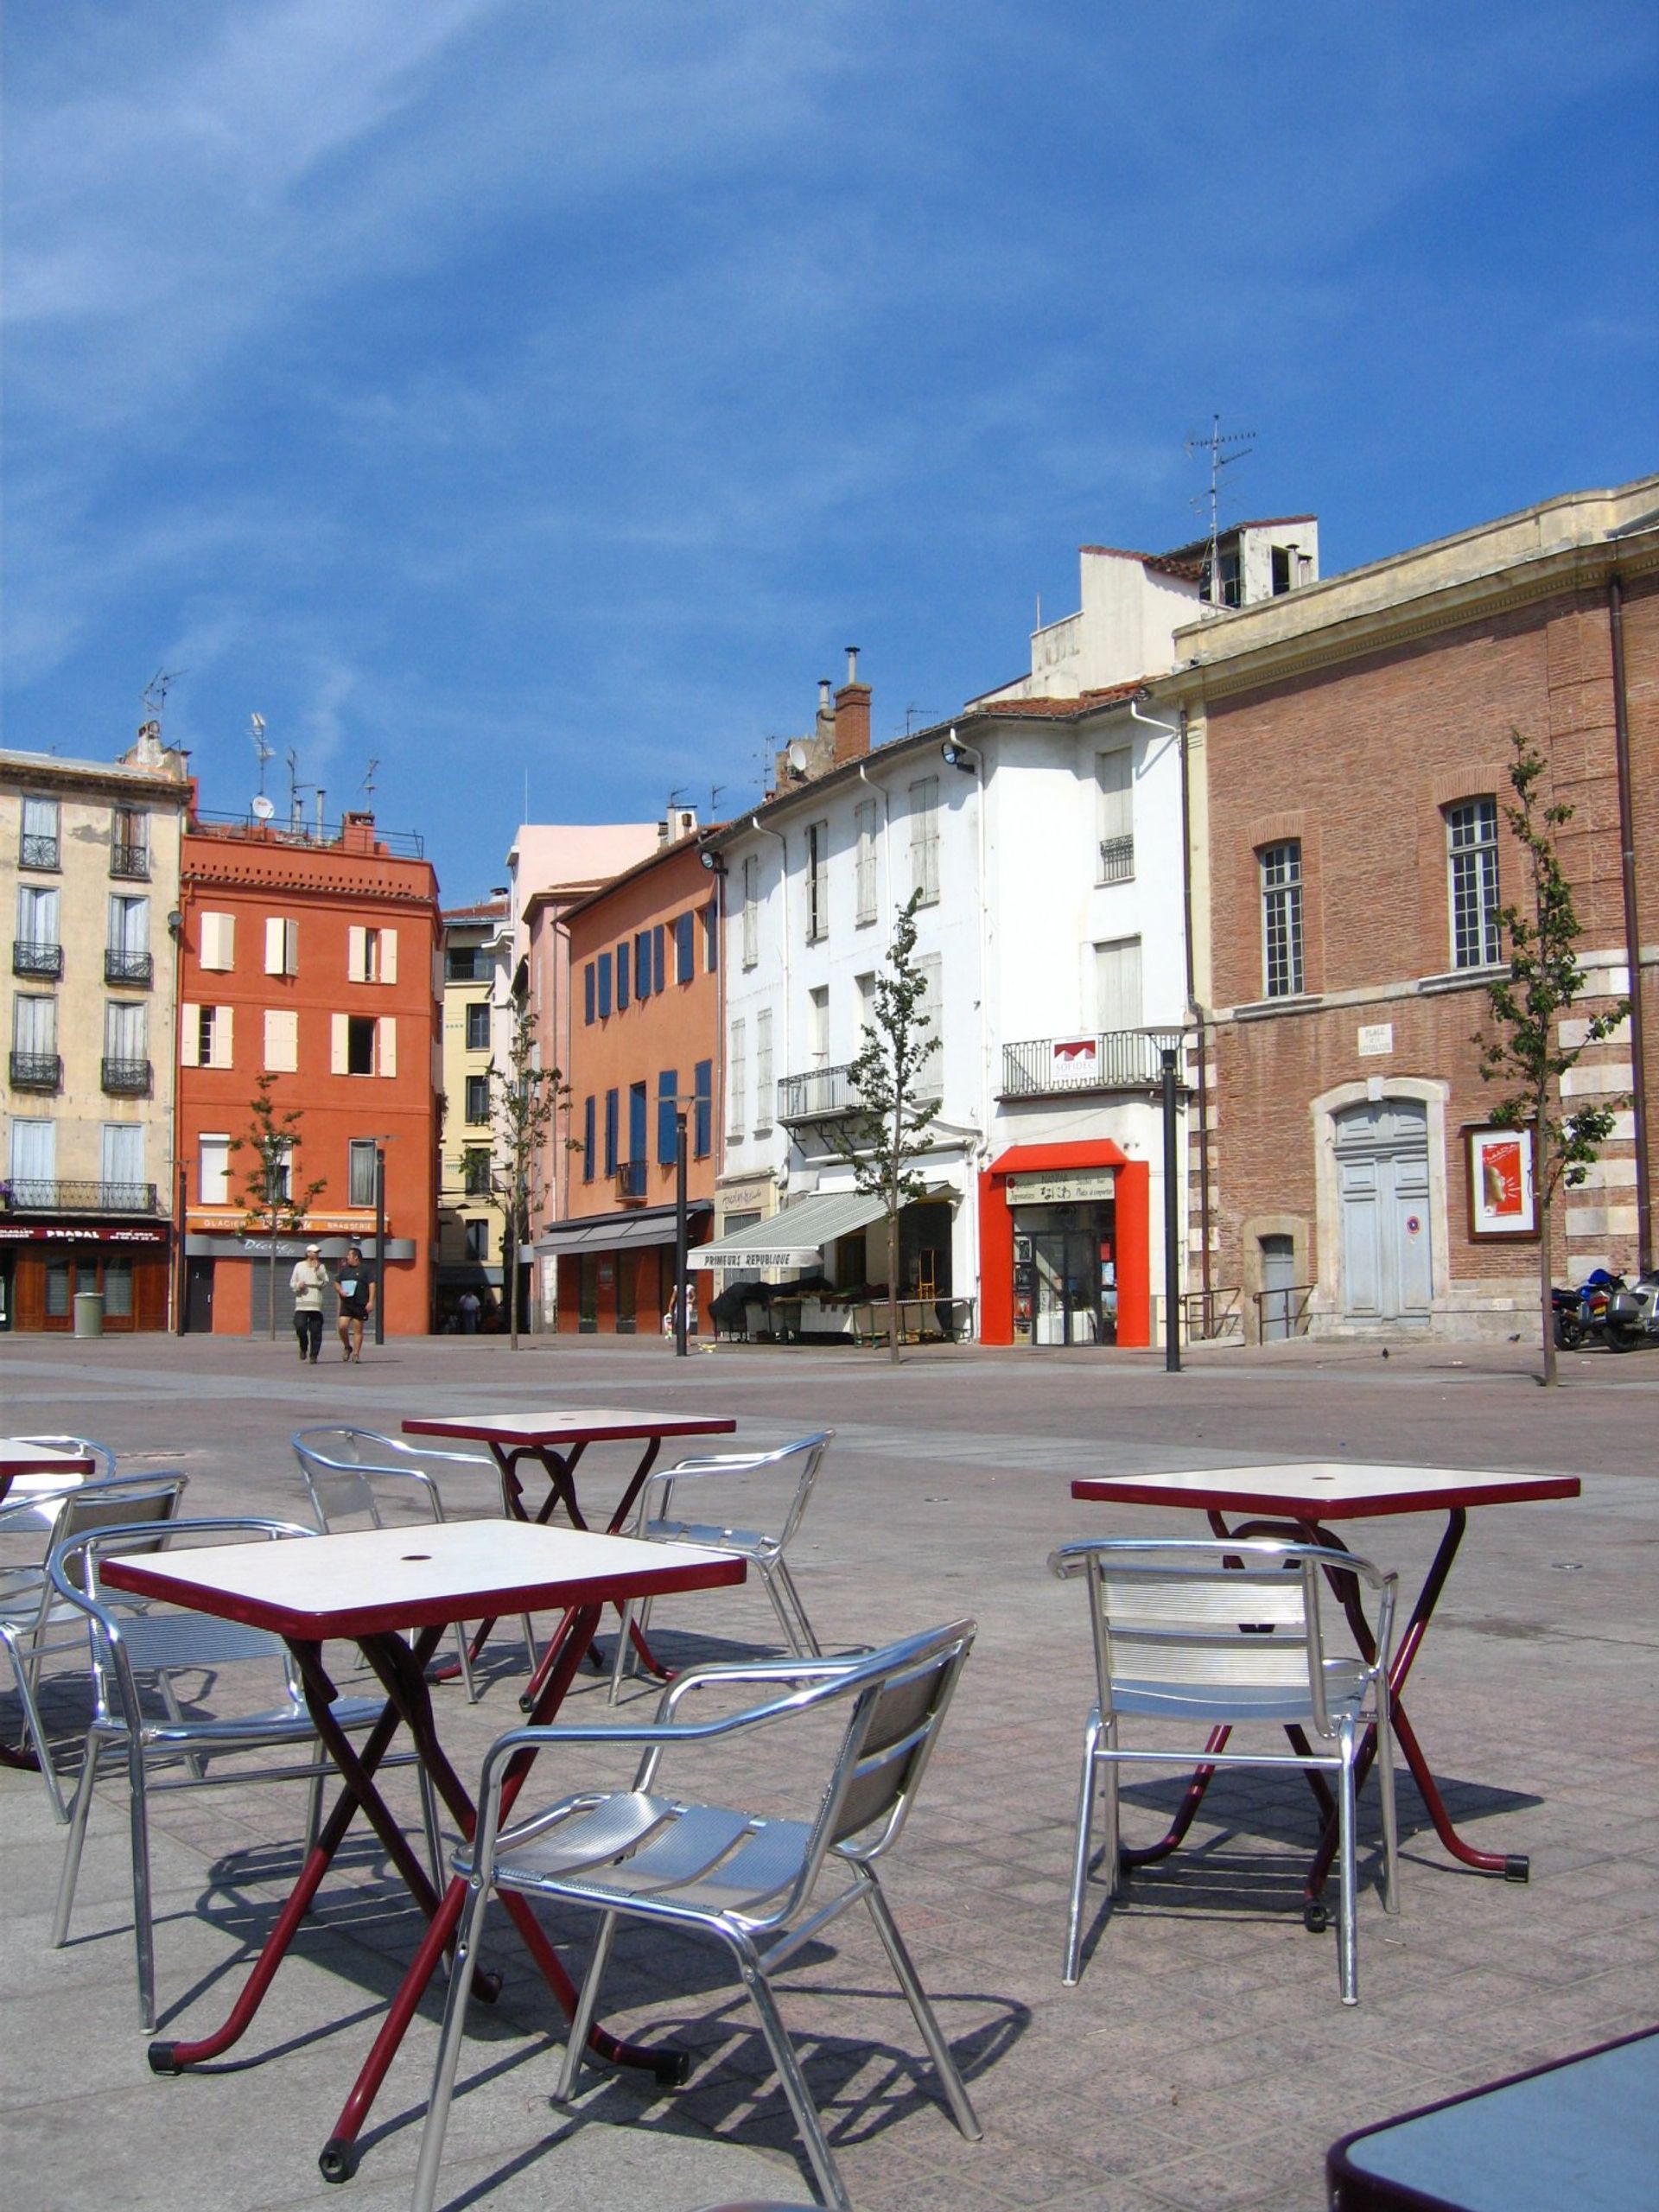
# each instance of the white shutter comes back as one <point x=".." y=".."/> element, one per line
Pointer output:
<point x="222" y="1050"/>
<point x="388" y="956"/>
<point x="357" y="954"/>
<point x="218" y="941"/>
<point x="340" y="1030"/>
<point x="276" y="946"/>
<point x="385" y="1045"/>
<point x="282" y="1040"/>
<point x="190" y="1036"/>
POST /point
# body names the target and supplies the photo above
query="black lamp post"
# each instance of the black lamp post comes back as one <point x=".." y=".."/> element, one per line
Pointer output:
<point x="380" y="1243"/>
<point x="1172" y="1220"/>
<point x="680" y="1348"/>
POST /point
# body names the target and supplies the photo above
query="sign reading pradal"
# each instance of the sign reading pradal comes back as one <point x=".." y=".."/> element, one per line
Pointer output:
<point x="1082" y="1185"/>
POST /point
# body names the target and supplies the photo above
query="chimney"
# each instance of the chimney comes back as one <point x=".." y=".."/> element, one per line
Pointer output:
<point x="852" y="714"/>
<point x="356" y="831"/>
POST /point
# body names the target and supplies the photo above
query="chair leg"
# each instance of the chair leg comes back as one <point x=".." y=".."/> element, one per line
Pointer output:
<point x="1347" y="1928"/>
<point x="79" y="1812"/>
<point x="581" y="2024"/>
<point x="926" y="2019"/>
<point x="26" y="1673"/>
<point x="1390" y="1809"/>
<point x="464" y="1655"/>
<point x="433" y="1833"/>
<point x="624" y="1646"/>
<point x="1080" y="1853"/>
<point x="530" y="1647"/>
<point x="805" y="1640"/>
<point x="143" y="1928"/>
<point x="455" y="2030"/>
<point x="784" y="2057"/>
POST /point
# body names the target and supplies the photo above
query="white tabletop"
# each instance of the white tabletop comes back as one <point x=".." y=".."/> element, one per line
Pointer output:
<point x="567" y="1425"/>
<point x="367" y="1581"/>
<point x="19" y="1457"/>
<point x="1326" y="1490"/>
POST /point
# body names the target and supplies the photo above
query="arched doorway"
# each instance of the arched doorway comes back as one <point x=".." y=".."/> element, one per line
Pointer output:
<point x="1382" y="1183"/>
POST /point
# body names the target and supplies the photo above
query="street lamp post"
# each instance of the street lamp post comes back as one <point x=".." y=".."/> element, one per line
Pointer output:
<point x="1172" y="1220"/>
<point x="680" y="1348"/>
<point x="380" y="1241"/>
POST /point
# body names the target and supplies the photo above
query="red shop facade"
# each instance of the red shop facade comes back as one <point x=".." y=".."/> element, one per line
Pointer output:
<point x="1092" y="1201"/>
<point x="44" y="1264"/>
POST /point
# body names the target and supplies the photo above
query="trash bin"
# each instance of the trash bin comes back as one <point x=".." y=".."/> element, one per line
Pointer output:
<point x="89" y="1313"/>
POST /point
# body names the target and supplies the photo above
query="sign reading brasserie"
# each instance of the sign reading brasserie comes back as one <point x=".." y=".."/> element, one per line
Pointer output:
<point x="1082" y="1184"/>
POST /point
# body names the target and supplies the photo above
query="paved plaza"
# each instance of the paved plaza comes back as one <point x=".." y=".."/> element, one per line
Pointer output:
<point x="1204" y="2062"/>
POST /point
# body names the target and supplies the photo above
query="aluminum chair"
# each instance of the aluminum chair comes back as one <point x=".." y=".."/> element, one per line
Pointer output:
<point x="152" y="1646"/>
<point x="35" y="1623"/>
<point x="768" y="1498"/>
<point x="36" y="1497"/>
<point x="1221" y="1633"/>
<point x="748" y="1879"/>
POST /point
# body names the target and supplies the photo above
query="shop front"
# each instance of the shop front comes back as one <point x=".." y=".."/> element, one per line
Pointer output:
<point x="45" y="1265"/>
<point x="616" y="1271"/>
<point x="1065" y="1252"/>
<point x="241" y="1286"/>
<point x="833" y="1243"/>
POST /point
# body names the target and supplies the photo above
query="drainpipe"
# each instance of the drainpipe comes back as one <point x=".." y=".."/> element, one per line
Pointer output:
<point x="1632" y="926"/>
<point x="765" y="829"/>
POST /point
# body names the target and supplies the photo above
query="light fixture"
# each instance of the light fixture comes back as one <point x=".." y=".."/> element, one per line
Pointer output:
<point x="957" y="755"/>
<point x="712" y="861"/>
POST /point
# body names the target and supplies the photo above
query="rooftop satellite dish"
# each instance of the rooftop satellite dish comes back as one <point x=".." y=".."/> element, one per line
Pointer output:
<point x="798" y="758"/>
<point x="262" y="807"/>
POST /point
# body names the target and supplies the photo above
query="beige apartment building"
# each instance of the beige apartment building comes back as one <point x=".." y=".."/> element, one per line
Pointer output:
<point x="89" y="872"/>
<point x="477" y="1030"/>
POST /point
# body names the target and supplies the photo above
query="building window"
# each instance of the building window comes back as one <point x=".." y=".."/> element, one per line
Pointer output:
<point x="218" y="941"/>
<point x="282" y="945"/>
<point x="817" y="1025"/>
<point x="372" y="955"/>
<point x="130" y="843"/>
<point x="817" y="881"/>
<point x="213" y="1033"/>
<point x="467" y="963"/>
<point x="475" y="1173"/>
<point x="478" y="1099"/>
<point x="363" y="1045"/>
<point x="751" y="910"/>
<point x="35" y="1063"/>
<point x="668" y="1086"/>
<point x="1471" y="859"/>
<point x="702" y="1114"/>
<point x="1117" y="984"/>
<point x="126" y="1046"/>
<point x="865" y="986"/>
<point x="864" y="893"/>
<point x="639" y="1110"/>
<point x="622" y="966"/>
<point x="642" y="965"/>
<point x="1281" y="918"/>
<point x="588" y="1107"/>
<point x="120" y="1161"/>
<point x="359" y="1172"/>
<point x="478" y="1026"/>
<point x="685" y="947"/>
<point x="737" y="1077"/>
<point x="32" y="1163"/>
<point x="711" y="937"/>
<point x="925" y="839"/>
<point x="930" y="1076"/>
<point x="610" y="1134"/>
<point x="763" y="1076"/>
<point x="360" y="1043"/>
<point x="589" y="995"/>
<point x="1114" y="813"/>
<point x="213" y="1171"/>
<point x="126" y="957"/>
<point x="477" y="1242"/>
<point x="39" y="848"/>
<point x="603" y="964"/>
<point x="38" y="950"/>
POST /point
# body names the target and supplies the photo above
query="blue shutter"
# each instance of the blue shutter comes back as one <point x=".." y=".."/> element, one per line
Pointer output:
<point x="642" y="965"/>
<point x="604" y="985"/>
<point x="658" y="938"/>
<point x="703" y="1126"/>
<point x="610" y="1133"/>
<point x="668" y="1084"/>
<point x="588" y="1140"/>
<point x="622" y="975"/>
<point x="587" y="994"/>
<point x="636" y="1122"/>
<point x="684" y="948"/>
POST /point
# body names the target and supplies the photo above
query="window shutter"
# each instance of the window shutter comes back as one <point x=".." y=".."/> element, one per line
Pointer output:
<point x="388" y="956"/>
<point x="223" y="1056"/>
<point x="189" y="1036"/>
<point x="385" y="1045"/>
<point x="282" y="1040"/>
<point x="275" y="947"/>
<point x="218" y="941"/>
<point x="357" y="954"/>
<point x="339" y="1044"/>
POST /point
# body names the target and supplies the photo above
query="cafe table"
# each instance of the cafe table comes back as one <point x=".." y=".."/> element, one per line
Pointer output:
<point x="394" y="1593"/>
<point x="555" y="1440"/>
<point x="1301" y="1499"/>
<point x="33" y="1476"/>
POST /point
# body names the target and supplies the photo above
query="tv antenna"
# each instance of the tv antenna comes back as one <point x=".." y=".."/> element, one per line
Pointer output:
<point x="262" y="750"/>
<point x="1224" y="453"/>
<point x="714" y="791"/>
<point x="294" y="786"/>
<point x="368" y="779"/>
<point x="156" y="691"/>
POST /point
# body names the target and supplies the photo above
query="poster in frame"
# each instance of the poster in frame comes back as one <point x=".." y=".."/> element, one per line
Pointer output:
<point x="1502" y="1201"/>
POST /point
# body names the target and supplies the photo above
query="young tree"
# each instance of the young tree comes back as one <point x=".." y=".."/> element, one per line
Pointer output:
<point x="524" y="1099"/>
<point x="275" y="1202"/>
<point x="888" y="1131"/>
<point x="1522" y="1048"/>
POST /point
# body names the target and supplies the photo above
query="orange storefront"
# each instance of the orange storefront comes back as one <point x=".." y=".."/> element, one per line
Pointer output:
<point x="1128" y="1248"/>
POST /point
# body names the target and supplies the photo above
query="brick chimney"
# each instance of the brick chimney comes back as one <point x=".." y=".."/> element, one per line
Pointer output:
<point x="852" y="714"/>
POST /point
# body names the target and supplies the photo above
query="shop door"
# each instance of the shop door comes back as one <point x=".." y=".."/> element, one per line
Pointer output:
<point x="1383" y="1173"/>
<point x="1066" y="1263"/>
<point x="262" y="1281"/>
<point x="1278" y="1282"/>
<point x="199" y="1297"/>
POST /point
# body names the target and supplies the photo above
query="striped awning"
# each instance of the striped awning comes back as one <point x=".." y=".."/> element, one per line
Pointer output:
<point x="795" y="1238"/>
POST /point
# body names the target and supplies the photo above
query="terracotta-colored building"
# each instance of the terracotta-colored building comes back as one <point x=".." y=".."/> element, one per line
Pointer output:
<point x="315" y="957"/>
<point x="1350" y="749"/>
<point x="645" y="1025"/>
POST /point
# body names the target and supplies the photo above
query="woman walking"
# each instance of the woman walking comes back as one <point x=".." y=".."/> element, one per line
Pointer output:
<point x="356" y="1287"/>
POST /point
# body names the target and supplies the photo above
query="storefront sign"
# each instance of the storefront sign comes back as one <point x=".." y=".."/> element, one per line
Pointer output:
<point x="1076" y="1059"/>
<point x="1083" y="1184"/>
<point x="87" y="1235"/>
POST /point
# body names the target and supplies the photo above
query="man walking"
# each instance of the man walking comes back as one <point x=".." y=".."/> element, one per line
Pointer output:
<point x="356" y="1287"/>
<point x="308" y="1282"/>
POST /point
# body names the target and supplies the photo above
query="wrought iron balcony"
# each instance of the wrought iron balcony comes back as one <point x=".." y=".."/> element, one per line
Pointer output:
<point x="631" y="1180"/>
<point x="127" y="1078"/>
<point x="131" y="862"/>
<point x="1116" y="859"/>
<point x="36" y="1071"/>
<point x="820" y="1095"/>
<point x="39" y="852"/>
<point x="29" y="957"/>
<point x="128" y="967"/>
<point x="1111" y="1060"/>
<point x="26" y="1195"/>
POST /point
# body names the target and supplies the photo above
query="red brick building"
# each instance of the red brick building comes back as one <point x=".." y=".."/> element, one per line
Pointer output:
<point x="645" y="1026"/>
<point x="1349" y="751"/>
<point x="315" y="958"/>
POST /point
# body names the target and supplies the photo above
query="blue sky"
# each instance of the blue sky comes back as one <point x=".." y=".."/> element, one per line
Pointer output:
<point x="507" y="388"/>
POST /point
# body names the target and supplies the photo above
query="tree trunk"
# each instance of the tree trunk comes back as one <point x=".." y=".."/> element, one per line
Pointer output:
<point x="510" y="1262"/>
<point x="1541" y="1200"/>
<point x="892" y="1278"/>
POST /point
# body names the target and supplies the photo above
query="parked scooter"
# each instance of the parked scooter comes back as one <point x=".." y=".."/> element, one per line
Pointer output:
<point x="1607" y="1308"/>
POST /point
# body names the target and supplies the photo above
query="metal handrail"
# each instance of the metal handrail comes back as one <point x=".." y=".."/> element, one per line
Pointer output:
<point x="127" y="967"/>
<point x="817" y="1093"/>
<point x="30" y="956"/>
<point x="1211" y="1316"/>
<point x="1295" y="1321"/>
<point x="25" y="1194"/>
<point x="128" y="1078"/>
<point x="36" y="1071"/>
<point x="1103" y="1059"/>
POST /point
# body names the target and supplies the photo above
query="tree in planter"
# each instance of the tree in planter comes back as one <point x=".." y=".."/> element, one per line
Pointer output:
<point x="888" y="1131"/>
<point x="524" y="1099"/>
<point x="274" y="1202"/>
<point x="1522" y="1047"/>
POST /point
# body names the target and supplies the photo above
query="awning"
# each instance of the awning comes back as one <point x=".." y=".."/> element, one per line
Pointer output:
<point x="794" y="1237"/>
<point x="614" y="1233"/>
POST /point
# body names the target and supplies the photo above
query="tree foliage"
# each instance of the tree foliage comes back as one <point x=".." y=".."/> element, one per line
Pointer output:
<point x="1522" y="1047"/>
<point x="275" y="1201"/>
<point x="524" y="1099"/>
<point x="888" y="1131"/>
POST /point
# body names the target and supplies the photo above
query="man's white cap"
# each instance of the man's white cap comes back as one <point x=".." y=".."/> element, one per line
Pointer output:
<point x="310" y="1249"/>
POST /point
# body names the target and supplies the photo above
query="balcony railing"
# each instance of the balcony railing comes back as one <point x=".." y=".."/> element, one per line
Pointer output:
<point x="820" y="1095"/>
<point x="29" y="957"/>
<point x="631" y="1180"/>
<point x="39" y="852"/>
<point x="1116" y="859"/>
<point x="26" y="1195"/>
<point x="130" y="863"/>
<point x="127" y="1078"/>
<point x="36" y="1071"/>
<point x="1111" y="1060"/>
<point x="128" y="967"/>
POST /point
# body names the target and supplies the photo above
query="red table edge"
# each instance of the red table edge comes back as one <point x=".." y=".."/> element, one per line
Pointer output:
<point x="1139" y="1490"/>
<point x="1364" y="2192"/>
<point x="560" y="1595"/>
<point x="480" y="1431"/>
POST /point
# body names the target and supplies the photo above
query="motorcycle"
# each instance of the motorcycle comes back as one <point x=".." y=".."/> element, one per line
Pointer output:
<point x="1622" y="1315"/>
